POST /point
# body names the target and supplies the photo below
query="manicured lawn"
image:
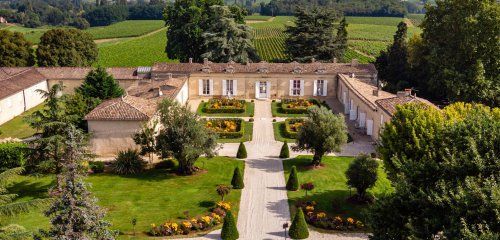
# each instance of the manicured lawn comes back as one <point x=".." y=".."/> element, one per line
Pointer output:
<point x="278" y="128"/>
<point x="17" y="127"/>
<point x="275" y="109"/>
<point x="330" y="186"/>
<point x="249" y="111"/>
<point x="152" y="197"/>
<point x="247" y="135"/>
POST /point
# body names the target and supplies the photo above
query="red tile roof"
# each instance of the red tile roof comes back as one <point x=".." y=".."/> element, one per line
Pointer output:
<point x="80" y="72"/>
<point x="389" y="104"/>
<point x="151" y="90"/>
<point x="127" y="108"/>
<point x="18" y="81"/>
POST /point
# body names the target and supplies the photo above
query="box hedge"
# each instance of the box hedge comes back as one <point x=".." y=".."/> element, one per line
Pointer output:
<point x="208" y="107"/>
<point x="285" y="109"/>
<point x="12" y="154"/>
<point x="240" y="129"/>
<point x="287" y="131"/>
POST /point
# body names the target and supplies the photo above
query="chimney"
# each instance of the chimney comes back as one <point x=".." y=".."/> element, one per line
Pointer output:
<point x="313" y="60"/>
<point x="334" y="60"/>
<point x="354" y="62"/>
<point x="375" y="92"/>
<point x="205" y="61"/>
<point x="190" y="60"/>
<point x="401" y="94"/>
<point x="160" y="93"/>
<point x="408" y="91"/>
<point x="353" y="75"/>
<point x="169" y="76"/>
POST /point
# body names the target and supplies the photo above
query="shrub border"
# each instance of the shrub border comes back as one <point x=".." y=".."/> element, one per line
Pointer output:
<point x="230" y="135"/>
<point x="209" y="110"/>
<point x="288" y="133"/>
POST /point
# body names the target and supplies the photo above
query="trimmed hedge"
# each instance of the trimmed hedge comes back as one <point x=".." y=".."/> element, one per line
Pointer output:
<point x="12" y="155"/>
<point x="240" y="130"/>
<point x="225" y="109"/>
<point x="283" y="106"/>
<point x="242" y="151"/>
<point x="298" y="229"/>
<point x="285" y="152"/>
<point x="288" y="133"/>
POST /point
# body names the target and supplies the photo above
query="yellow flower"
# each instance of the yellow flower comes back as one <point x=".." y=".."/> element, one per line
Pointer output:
<point x="321" y="215"/>
<point x="309" y="208"/>
<point x="153" y="225"/>
<point x="350" y="220"/>
<point x="224" y="205"/>
<point x="186" y="224"/>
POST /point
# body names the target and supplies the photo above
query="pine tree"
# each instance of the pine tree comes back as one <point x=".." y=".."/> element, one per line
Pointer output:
<point x="229" y="230"/>
<point x="74" y="213"/>
<point x="101" y="85"/>
<point x="341" y="39"/>
<point x="285" y="152"/>
<point x="298" y="229"/>
<point x="293" y="181"/>
<point x="242" y="151"/>
<point x="237" y="181"/>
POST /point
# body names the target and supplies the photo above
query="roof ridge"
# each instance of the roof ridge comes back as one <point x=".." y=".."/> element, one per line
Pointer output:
<point x="18" y="73"/>
<point x="123" y="99"/>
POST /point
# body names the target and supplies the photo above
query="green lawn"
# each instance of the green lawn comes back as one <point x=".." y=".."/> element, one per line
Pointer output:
<point x="247" y="135"/>
<point x="330" y="186"/>
<point x="152" y="197"/>
<point x="278" y="128"/>
<point x="17" y="128"/>
<point x="249" y="111"/>
<point x="131" y="28"/>
<point x="275" y="109"/>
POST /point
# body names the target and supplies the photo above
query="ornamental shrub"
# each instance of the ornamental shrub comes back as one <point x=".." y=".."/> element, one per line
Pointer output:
<point x="285" y="152"/>
<point x="128" y="162"/>
<point x="237" y="180"/>
<point x="229" y="230"/>
<point x="242" y="151"/>
<point x="298" y="229"/>
<point x="12" y="154"/>
<point x="293" y="181"/>
<point x="96" y="167"/>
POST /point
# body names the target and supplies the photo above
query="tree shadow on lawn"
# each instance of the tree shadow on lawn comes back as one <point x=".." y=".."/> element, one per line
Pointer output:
<point x="334" y="203"/>
<point x="31" y="189"/>
<point x="148" y="175"/>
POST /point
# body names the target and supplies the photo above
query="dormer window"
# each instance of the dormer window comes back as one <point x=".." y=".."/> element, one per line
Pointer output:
<point x="321" y="70"/>
<point x="263" y="70"/>
<point x="297" y="70"/>
<point x="230" y="69"/>
<point x="205" y="69"/>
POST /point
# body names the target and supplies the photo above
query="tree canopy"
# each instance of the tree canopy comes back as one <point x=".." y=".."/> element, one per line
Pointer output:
<point x="445" y="170"/>
<point x="66" y="48"/>
<point x="15" y="50"/>
<point x="100" y="84"/>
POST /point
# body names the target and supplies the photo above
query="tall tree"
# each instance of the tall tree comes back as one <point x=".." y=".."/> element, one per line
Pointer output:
<point x="225" y="40"/>
<point x="461" y="36"/>
<point x="312" y="35"/>
<point x="75" y="213"/>
<point x="341" y="38"/>
<point x="392" y="64"/>
<point x="362" y="174"/>
<point x="100" y="84"/>
<point x="66" y="48"/>
<point x="183" y="136"/>
<point x="15" y="50"/>
<point x="322" y="132"/>
<point x="444" y="166"/>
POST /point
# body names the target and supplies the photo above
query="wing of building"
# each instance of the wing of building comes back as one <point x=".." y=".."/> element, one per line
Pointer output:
<point x="113" y="123"/>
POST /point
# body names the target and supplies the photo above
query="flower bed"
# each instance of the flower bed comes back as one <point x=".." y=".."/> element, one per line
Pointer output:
<point x="226" y="127"/>
<point x="292" y="126"/>
<point x="224" y="105"/>
<point x="297" y="106"/>
<point x="193" y="225"/>
<point x="321" y="220"/>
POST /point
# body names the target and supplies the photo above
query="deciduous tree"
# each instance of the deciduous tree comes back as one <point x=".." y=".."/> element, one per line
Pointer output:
<point x="362" y="175"/>
<point x="15" y="50"/>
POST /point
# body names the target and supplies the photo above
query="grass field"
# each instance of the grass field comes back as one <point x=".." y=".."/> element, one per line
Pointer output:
<point x="17" y="127"/>
<point x="278" y="128"/>
<point x="152" y="197"/>
<point x="330" y="185"/>
<point x="249" y="111"/>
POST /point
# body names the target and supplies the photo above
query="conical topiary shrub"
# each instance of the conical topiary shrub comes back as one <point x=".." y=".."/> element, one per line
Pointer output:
<point x="237" y="180"/>
<point x="285" y="152"/>
<point x="229" y="230"/>
<point x="242" y="151"/>
<point x="293" y="181"/>
<point x="298" y="229"/>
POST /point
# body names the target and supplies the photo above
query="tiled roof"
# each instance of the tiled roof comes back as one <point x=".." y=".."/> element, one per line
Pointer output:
<point x="18" y="81"/>
<point x="364" y="90"/>
<point x="80" y="72"/>
<point x="124" y="108"/>
<point x="389" y="104"/>
<point x="151" y="90"/>
<point x="264" y="67"/>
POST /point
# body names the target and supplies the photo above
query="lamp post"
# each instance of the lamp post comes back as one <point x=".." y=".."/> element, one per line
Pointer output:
<point x="285" y="226"/>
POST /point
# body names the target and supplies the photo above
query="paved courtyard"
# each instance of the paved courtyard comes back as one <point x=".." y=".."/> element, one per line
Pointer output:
<point x="264" y="204"/>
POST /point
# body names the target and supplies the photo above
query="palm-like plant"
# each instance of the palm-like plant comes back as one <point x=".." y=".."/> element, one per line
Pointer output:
<point x="7" y="206"/>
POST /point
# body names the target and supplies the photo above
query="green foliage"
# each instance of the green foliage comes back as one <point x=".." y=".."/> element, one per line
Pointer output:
<point x="99" y="84"/>
<point x="341" y="39"/>
<point x="362" y="174"/>
<point x="128" y="162"/>
<point x="322" y="132"/>
<point x="96" y="166"/>
<point x="183" y="136"/>
<point x="284" y="152"/>
<point x="463" y="50"/>
<point x="66" y="48"/>
<point x="242" y="151"/>
<point x="106" y="15"/>
<point x="312" y="35"/>
<point x="298" y="229"/>
<point x="223" y="190"/>
<point x="440" y="162"/>
<point x="146" y="139"/>
<point x="293" y="181"/>
<point x="237" y="181"/>
<point x="15" y="232"/>
<point x="392" y="64"/>
<point x="12" y="155"/>
<point x="226" y="40"/>
<point x="229" y="230"/>
<point x="15" y="50"/>
<point x="74" y="212"/>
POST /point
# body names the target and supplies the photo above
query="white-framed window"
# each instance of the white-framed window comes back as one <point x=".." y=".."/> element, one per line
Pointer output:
<point x="320" y="87"/>
<point x="381" y="119"/>
<point x="296" y="87"/>
<point x="229" y="87"/>
<point x="206" y="87"/>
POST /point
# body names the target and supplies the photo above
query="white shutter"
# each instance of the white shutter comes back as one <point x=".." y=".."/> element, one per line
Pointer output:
<point x="200" y="87"/>
<point x="301" y="87"/>
<point x="291" y="88"/>
<point x="315" y="87"/>
<point x="257" y="89"/>
<point x="362" y="119"/>
<point x="268" y="89"/>
<point x="369" y="127"/>
<point x="325" y="92"/>
<point x="224" y="87"/>
<point x="211" y="87"/>
<point x="235" y="87"/>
